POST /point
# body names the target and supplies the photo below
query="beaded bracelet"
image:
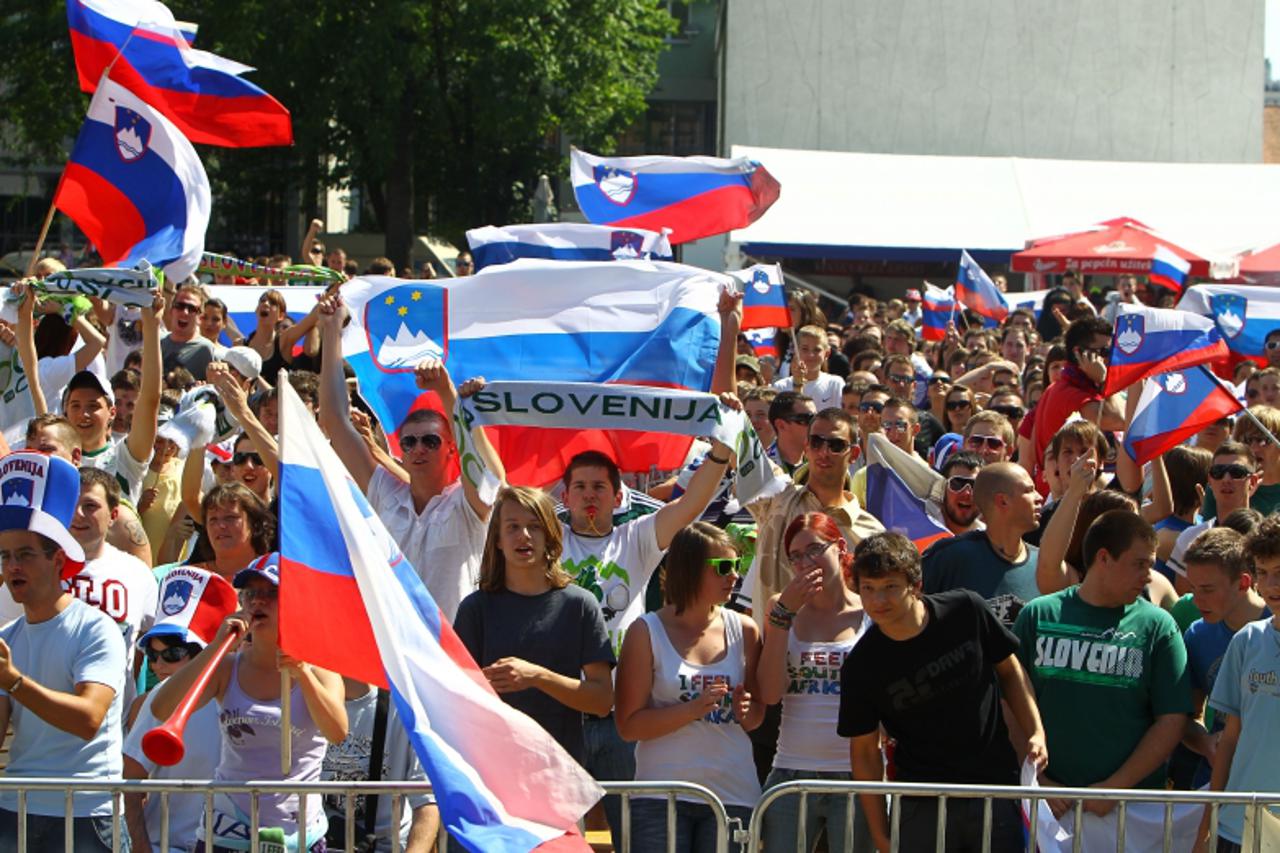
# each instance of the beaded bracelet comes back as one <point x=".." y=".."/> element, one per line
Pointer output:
<point x="781" y="617"/>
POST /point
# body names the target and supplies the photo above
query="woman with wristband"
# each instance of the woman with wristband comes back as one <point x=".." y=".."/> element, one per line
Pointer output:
<point x="811" y="626"/>
<point x="686" y="691"/>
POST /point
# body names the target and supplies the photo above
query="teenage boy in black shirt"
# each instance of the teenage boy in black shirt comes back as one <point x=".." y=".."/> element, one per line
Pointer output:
<point x="931" y="671"/>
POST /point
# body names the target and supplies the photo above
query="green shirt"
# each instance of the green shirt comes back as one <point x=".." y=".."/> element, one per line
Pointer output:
<point x="1101" y="675"/>
<point x="1266" y="501"/>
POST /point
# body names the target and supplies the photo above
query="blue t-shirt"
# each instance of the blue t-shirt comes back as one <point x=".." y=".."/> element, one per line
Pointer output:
<point x="80" y="644"/>
<point x="1248" y="687"/>
<point x="969" y="562"/>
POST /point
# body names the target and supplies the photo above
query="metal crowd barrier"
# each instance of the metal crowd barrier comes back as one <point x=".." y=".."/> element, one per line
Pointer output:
<point x="668" y="791"/>
<point x="942" y="793"/>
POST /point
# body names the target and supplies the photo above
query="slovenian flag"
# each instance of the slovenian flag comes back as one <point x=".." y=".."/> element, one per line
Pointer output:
<point x="565" y="241"/>
<point x="937" y="306"/>
<point x="1159" y="340"/>
<point x="1244" y="314"/>
<point x="764" y="298"/>
<point x="1168" y="268"/>
<point x="764" y="342"/>
<point x="694" y="197"/>
<point x="899" y="491"/>
<point x="135" y="186"/>
<point x="501" y="781"/>
<point x="200" y="92"/>
<point x="629" y="322"/>
<point x="1174" y="406"/>
<point x="976" y="290"/>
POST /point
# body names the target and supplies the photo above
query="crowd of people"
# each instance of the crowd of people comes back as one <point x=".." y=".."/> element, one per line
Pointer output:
<point x="1109" y="624"/>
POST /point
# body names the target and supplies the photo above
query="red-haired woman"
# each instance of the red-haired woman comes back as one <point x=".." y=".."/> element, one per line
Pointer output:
<point x="810" y="627"/>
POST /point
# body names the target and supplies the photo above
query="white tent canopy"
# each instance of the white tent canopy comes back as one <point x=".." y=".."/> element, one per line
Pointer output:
<point x="901" y="207"/>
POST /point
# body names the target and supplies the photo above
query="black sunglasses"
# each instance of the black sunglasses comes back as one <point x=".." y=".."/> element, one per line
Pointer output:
<point x="169" y="654"/>
<point x="431" y="441"/>
<point x="993" y="442"/>
<point x="1010" y="412"/>
<point x="871" y="407"/>
<point x="957" y="405"/>
<point x="1234" y="470"/>
<point x="726" y="566"/>
<point x="939" y="380"/>
<point x="804" y="418"/>
<point x="835" y="445"/>
<point x="242" y="458"/>
<point x="901" y="378"/>
<point x="186" y="307"/>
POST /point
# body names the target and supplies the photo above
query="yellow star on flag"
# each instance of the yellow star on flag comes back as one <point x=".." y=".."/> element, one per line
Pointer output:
<point x="402" y="310"/>
<point x="391" y="300"/>
<point x="417" y="294"/>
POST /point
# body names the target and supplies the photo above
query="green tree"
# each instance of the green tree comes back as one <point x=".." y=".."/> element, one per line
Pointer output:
<point x="459" y="103"/>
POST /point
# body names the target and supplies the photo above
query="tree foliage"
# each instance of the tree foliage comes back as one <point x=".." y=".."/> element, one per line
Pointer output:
<point x="459" y="103"/>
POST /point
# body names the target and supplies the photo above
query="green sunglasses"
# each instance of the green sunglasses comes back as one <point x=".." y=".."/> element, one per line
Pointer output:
<point x="726" y="566"/>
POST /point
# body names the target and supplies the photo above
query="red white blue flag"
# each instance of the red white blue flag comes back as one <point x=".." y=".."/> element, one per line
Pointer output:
<point x="135" y="186"/>
<point x="899" y="487"/>
<point x="764" y="297"/>
<point x="1245" y="315"/>
<point x="694" y="197"/>
<point x="1174" y="406"/>
<point x="1159" y="340"/>
<point x="565" y="241"/>
<point x="147" y="51"/>
<point x="976" y="290"/>
<point x="764" y="342"/>
<point x="1168" y="268"/>
<point x="937" y="307"/>
<point x="501" y="781"/>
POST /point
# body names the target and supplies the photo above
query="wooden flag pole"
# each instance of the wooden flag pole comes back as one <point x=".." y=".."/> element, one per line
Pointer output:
<point x="44" y="232"/>
<point x="286" y="724"/>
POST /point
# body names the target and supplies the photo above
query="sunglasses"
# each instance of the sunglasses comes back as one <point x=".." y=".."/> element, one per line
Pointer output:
<point x="169" y="654"/>
<point x="1235" y="471"/>
<point x="835" y="445"/>
<point x="939" y="380"/>
<point x="1013" y="413"/>
<point x="957" y="405"/>
<point x="992" y="442"/>
<point x="1100" y="352"/>
<point x="266" y="593"/>
<point x="897" y="426"/>
<point x="430" y="441"/>
<point x="959" y="484"/>
<point x="726" y="566"/>
<point x="871" y="407"/>
<point x="243" y="458"/>
<point x="901" y="378"/>
<point x="804" y="418"/>
<point x="186" y="307"/>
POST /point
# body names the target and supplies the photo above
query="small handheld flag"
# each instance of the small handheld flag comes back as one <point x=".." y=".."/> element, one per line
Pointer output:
<point x="935" y="311"/>
<point x="1174" y="406"/>
<point x="764" y="298"/>
<point x="1168" y="268"/>
<point x="1159" y="340"/>
<point x="976" y="290"/>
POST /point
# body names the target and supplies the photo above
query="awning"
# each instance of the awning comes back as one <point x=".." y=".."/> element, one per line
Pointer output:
<point x="1114" y="247"/>
<point x="916" y="207"/>
<point x="1262" y="266"/>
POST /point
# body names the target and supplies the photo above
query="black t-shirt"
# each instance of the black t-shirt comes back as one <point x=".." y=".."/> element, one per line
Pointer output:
<point x="561" y="629"/>
<point x="936" y="694"/>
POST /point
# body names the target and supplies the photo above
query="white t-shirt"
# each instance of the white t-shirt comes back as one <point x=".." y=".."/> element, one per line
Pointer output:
<point x="16" y="407"/>
<point x="615" y="568"/>
<point x="443" y="542"/>
<point x="349" y="762"/>
<point x="203" y="743"/>
<point x="124" y="336"/>
<point x="79" y="645"/>
<point x="116" y="460"/>
<point x="121" y="586"/>
<point x="825" y="391"/>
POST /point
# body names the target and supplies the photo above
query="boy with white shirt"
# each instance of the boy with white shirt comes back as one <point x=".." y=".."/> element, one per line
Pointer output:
<point x="810" y="354"/>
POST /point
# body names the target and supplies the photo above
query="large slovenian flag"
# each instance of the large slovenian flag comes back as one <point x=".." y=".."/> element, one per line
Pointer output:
<point x="1159" y="340"/>
<point x="764" y="297"/>
<point x="1168" y="268"/>
<point x="694" y="197"/>
<point x="899" y="491"/>
<point x="1174" y="406"/>
<point x="565" y="241"/>
<point x="200" y="92"/>
<point x="501" y="781"/>
<point x="1244" y="314"/>
<point x="976" y="290"/>
<point x="135" y="186"/>
<point x="630" y="322"/>
<point x="937" y="306"/>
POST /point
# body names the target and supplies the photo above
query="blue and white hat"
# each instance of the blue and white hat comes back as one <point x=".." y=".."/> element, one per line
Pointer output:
<point x="267" y="566"/>
<point x="39" y="492"/>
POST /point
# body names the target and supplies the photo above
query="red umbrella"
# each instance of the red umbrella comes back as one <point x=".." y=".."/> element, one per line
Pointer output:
<point x="1115" y="247"/>
<point x="1262" y="266"/>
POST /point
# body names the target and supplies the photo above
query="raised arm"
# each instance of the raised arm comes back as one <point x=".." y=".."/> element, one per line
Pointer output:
<point x="289" y="337"/>
<point x="94" y="341"/>
<point x="170" y="692"/>
<point x="684" y="510"/>
<point x="192" y="485"/>
<point x="237" y="403"/>
<point x="27" y="346"/>
<point x="334" y="399"/>
<point x="724" y="376"/>
<point x="1051" y="567"/>
<point x="142" y="433"/>
<point x="432" y="375"/>
<point x="323" y="693"/>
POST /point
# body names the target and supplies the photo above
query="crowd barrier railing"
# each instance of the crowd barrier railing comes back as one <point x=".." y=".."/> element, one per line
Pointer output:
<point x="1123" y="798"/>
<point x="398" y="791"/>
